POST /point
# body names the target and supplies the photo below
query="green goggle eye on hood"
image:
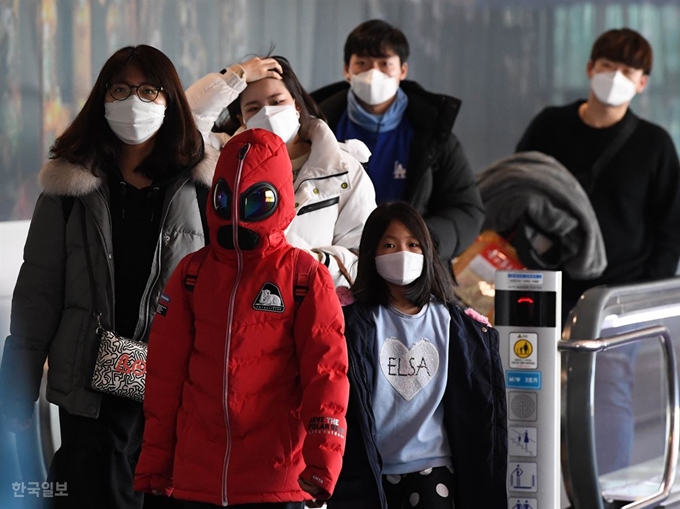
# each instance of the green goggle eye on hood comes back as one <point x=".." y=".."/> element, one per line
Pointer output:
<point x="256" y="203"/>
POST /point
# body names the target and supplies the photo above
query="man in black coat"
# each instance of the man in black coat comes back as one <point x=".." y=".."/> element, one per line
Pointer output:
<point x="415" y="156"/>
<point x="629" y="169"/>
<point x="628" y="166"/>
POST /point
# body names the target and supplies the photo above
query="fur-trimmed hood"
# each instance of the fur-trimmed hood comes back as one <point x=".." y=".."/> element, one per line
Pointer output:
<point x="59" y="177"/>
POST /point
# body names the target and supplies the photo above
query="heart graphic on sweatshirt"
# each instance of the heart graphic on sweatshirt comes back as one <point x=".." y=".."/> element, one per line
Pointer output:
<point x="408" y="370"/>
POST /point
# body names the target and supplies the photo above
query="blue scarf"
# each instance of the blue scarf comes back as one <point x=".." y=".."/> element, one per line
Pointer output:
<point x="388" y="137"/>
<point x="377" y="123"/>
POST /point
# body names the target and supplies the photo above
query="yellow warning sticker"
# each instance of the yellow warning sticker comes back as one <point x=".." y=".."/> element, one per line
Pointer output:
<point x="523" y="348"/>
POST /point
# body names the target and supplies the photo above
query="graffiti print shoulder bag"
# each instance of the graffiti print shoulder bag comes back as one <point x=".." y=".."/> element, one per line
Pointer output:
<point x="120" y="368"/>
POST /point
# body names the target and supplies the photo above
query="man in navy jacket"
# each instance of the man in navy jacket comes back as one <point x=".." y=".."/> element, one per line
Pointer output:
<point x="415" y="156"/>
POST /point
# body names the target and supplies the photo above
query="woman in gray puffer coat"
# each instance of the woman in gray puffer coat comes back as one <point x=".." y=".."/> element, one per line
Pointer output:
<point x="123" y="182"/>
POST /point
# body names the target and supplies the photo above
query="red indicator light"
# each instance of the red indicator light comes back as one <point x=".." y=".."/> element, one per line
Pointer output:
<point x="525" y="300"/>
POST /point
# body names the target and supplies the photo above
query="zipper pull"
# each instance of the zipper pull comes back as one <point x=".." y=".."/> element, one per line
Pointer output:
<point x="244" y="150"/>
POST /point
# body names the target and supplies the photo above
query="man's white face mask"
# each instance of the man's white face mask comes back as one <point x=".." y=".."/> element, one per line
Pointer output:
<point x="612" y="88"/>
<point x="284" y="121"/>
<point x="401" y="268"/>
<point x="134" y="121"/>
<point x="374" y="87"/>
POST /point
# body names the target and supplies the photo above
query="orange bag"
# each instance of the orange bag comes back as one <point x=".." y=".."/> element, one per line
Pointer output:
<point x="475" y="270"/>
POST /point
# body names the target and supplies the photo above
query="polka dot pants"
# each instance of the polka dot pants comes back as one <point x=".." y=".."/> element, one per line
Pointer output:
<point x="431" y="488"/>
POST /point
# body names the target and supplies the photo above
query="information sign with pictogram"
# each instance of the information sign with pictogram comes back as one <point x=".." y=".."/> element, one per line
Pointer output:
<point x="523" y="350"/>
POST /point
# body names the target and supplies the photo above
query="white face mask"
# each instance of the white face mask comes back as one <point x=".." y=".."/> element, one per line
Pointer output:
<point x="374" y="87"/>
<point x="284" y="121"/>
<point x="612" y="88"/>
<point x="401" y="268"/>
<point x="133" y="120"/>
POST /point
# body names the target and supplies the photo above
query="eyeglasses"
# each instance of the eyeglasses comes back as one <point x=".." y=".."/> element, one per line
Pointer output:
<point x="258" y="202"/>
<point x="146" y="93"/>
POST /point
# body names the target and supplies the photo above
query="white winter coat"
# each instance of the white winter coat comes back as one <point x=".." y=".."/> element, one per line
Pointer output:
<point x="333" y="193"/>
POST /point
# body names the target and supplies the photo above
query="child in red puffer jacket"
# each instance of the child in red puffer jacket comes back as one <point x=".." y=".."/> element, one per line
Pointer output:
<point x="246" y="388"/>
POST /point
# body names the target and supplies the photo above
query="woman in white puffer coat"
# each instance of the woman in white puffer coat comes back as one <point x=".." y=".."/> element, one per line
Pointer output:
<point x="333" y="193"/>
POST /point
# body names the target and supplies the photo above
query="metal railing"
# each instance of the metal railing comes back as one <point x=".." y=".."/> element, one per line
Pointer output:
<point x="645" y="307"/>
<point x="673" y="408"/>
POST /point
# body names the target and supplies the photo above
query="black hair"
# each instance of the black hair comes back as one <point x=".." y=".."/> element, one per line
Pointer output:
<point x="370" y="288"/>
<point x="624" y="46"/>
<point x="306" y="105"/>
<point x="91" y="143"/>
<point x="374" y="38"/>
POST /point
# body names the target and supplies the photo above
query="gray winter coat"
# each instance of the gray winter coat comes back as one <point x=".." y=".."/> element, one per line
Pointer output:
<point x="52" y="306"/>
<point x="532" y="188"/>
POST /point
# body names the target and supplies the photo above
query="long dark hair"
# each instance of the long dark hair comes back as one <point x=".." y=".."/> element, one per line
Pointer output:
<point x="89" y="141"/>
<point x="371" y="289"/>
<point x="307" y="106"/>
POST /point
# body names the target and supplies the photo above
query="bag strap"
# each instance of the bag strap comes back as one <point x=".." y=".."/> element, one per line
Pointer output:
<point x="341" y="266"/>
<point x="305" y="268"/>
<point x="88" y="258"/>
<point x="629" y="126"/>
<point x="195" y="264"/>
<point x="343" y="270"/>
<point x="202" y="198"/>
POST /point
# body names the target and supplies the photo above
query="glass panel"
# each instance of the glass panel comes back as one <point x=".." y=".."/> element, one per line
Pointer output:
<point x="630" y="413"/>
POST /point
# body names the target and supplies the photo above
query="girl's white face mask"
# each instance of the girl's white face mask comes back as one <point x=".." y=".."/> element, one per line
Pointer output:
<point x="133" y="120"/>
<point x="401" y="268"/>
<point x="373" y="87"/>
<point x="284" y="121"/>
<point x="612" y="88"/>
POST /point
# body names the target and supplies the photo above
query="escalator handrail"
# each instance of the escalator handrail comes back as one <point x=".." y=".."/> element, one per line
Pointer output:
<point x="673" y="405"/>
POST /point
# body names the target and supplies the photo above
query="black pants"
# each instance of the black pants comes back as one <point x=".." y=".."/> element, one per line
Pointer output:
<point x="97" y="457"/>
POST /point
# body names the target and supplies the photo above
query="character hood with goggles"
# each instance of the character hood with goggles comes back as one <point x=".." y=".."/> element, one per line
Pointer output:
<point x="251" y="201"/>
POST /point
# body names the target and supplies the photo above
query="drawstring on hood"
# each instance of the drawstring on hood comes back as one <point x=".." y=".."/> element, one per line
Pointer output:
<point x="152" y="196"/>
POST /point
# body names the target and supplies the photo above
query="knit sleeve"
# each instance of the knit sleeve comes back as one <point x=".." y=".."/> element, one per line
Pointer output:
<point x="664" y="198"/>
<point x="533" y="137"/>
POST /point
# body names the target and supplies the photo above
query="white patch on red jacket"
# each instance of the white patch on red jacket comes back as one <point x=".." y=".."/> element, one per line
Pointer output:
<point x="327" y="425"/>
<point x="477" y="316"/>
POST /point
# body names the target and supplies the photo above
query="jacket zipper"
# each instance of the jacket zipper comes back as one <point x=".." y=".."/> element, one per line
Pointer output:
<point x="230" y="316"/>
<point x="318" y="206"/>
<point x="486" y="335"/>
<point x="363" y="385"/>
<point x="109" y="261"/>
<point x="146" y="296"/>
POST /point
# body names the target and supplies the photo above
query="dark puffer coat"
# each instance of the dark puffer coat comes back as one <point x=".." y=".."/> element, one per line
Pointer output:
<point x="474" y="416"/>
<point x="440" y="183"/>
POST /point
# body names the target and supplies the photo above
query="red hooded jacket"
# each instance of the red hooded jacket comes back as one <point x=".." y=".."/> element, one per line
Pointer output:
<point x="245" y="390"/>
